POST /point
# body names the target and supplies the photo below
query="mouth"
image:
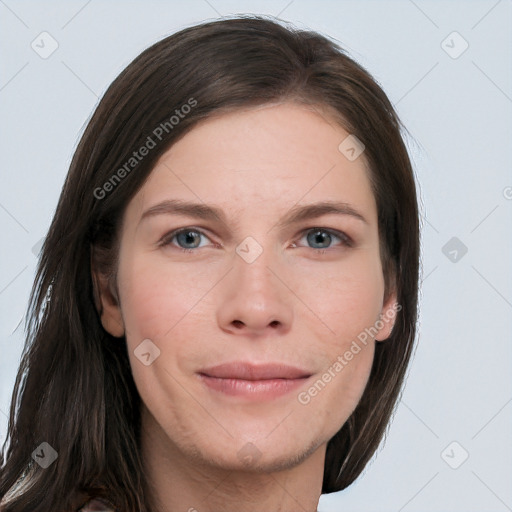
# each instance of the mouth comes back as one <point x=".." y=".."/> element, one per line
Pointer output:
<point x="253" y="382"/>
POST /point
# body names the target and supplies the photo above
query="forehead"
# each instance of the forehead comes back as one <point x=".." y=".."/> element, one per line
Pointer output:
<point x="260" y="159"/>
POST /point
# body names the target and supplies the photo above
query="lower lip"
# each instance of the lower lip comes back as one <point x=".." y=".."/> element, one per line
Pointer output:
<point x="253" y="389"/>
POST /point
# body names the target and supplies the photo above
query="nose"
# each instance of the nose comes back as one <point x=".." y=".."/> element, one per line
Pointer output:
<point x="255" y="299"/>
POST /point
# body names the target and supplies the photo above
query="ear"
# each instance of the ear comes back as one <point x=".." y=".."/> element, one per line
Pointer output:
<point x="106" y="301"/>
<point x="387" y="318"/>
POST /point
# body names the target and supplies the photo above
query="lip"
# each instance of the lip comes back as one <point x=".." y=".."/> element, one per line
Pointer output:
<point x="249" y="371"/>
<point x="253" y="382"/>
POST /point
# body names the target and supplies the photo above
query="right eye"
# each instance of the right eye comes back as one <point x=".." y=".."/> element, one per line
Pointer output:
<point x="183" y="236"/>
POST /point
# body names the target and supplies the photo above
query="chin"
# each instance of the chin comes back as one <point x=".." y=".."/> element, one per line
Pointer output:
<point x="259" y="455"/>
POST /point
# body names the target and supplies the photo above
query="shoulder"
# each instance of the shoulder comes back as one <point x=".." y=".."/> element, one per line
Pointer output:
<point x="97" y="505"/>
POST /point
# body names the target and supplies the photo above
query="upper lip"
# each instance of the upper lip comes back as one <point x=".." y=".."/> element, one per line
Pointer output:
<point x="251" y="371"/>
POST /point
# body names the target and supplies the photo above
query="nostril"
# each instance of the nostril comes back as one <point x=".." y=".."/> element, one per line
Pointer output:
<point x="238" y="323"/>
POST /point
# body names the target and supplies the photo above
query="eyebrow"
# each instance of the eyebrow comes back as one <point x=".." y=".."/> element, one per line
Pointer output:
<point x="297" y="214"/>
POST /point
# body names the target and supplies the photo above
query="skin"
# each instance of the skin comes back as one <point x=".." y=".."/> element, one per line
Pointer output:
<point x="291" y="305"/>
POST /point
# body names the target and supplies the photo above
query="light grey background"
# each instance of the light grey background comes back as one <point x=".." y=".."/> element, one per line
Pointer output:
<point x="458" y="109"/>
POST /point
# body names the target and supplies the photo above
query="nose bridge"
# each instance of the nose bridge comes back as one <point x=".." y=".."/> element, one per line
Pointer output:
<point x="253" y="261"/>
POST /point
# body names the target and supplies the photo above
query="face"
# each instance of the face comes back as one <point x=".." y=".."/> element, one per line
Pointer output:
<point x="257" y="283"/>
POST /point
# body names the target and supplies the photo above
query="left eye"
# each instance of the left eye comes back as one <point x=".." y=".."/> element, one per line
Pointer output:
<point x="324" y="236"/>
<point x="192" y="237"/>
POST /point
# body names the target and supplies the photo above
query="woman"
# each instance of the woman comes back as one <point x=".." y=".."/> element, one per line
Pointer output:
<point x="226" y="301"/>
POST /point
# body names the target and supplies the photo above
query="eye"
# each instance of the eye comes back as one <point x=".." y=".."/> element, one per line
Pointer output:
<point x="188" y="237"/>
<point x="321" y="238"/>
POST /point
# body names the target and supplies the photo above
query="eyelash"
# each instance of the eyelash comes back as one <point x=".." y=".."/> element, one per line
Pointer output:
<point x="345" y="239"/>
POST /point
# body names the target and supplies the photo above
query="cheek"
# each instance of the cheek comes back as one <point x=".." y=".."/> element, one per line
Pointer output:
<point x="158" y="303"/>
<point x="346" y="296"/>
<point x="157" y="297"/>
<point x="156" y="300"/>
<point x="336" y="390"/>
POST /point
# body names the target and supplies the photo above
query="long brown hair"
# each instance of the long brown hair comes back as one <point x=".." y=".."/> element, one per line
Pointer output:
<point x="74" y="389"/>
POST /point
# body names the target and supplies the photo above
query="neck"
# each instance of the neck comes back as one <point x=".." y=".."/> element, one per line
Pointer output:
<point x="190" y="483"/>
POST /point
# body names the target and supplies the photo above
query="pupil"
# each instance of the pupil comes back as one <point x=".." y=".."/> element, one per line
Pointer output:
<point x="321" y="237"/>
<point x="189" y="237"/>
